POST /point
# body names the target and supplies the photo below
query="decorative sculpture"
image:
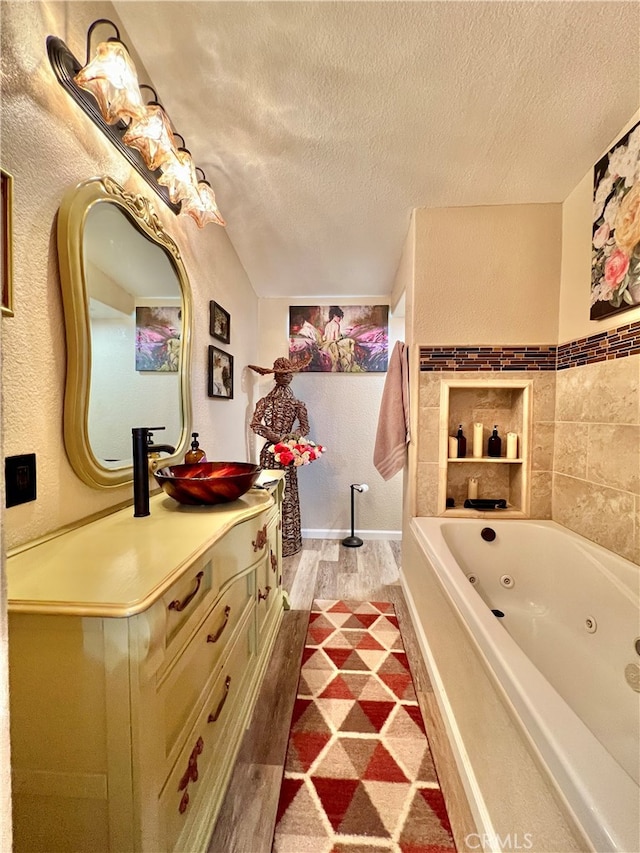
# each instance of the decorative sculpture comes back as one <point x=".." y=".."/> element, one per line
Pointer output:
<point x="274" y="418"/>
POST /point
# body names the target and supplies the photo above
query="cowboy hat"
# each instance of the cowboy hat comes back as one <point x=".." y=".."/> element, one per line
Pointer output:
<point x="283" y="365"/>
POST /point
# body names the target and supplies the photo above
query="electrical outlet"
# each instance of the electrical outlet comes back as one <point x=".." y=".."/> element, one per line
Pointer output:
<point x="20" y="479"/>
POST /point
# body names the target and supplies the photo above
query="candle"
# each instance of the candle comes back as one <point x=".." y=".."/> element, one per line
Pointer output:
<point x="477" y="440"/>
<point x="472" y="488"/>
<point x="512" y="445"/>
<point x="453" y="447"/>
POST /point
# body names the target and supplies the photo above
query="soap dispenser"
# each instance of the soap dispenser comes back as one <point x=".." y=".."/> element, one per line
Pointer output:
<point x="462" y="443"/>
<point x="196" y="454"/>
<point x="495" y="443"/>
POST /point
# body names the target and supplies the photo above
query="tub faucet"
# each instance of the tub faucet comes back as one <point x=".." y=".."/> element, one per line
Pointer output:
<point x="142" y="447"/>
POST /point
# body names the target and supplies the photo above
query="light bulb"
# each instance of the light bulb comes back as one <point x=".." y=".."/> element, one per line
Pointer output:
<point x="202" y="206"/>
<point x="179" y="176"/>
<point x="151" y="134"/>
<point x="112" y="80"/>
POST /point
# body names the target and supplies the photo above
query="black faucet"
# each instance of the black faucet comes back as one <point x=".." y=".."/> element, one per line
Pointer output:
<point x="142" y="446"/>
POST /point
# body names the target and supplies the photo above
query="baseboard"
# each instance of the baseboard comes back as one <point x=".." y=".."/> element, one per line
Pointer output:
<point x="309" y="533"/>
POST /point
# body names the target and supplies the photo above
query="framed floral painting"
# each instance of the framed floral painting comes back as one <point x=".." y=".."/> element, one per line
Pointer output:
<point x="615" y="250"/>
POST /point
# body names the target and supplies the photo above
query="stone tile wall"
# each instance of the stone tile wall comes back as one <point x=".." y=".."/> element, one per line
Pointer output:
<point x="586" y="430"/>
<point x="596" y="482"/>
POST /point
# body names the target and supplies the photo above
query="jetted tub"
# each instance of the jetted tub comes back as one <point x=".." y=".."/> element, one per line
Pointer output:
<point x="539" y="703"/>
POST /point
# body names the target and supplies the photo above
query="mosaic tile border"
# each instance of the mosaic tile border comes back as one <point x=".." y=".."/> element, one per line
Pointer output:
<point x="603" y="346"/>
<point x="616" y="343"/>
<point x="487" y="358"/>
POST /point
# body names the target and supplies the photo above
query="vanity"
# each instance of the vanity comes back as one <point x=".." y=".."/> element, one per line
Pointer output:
<point x="137" y="647"/>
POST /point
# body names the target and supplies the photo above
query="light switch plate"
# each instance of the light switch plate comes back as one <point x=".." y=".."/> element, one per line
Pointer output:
<point x="20" y="479"/>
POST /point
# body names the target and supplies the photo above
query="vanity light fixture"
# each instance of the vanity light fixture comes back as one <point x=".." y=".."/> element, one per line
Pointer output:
<point x="179" y="174"/>
<point x="151" y="134"/>
<point x="111" y="78"/>
<point x="107" y="89"/>
<point x="202" y="207"/>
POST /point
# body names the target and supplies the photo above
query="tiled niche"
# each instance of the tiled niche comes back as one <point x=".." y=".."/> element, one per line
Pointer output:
<point x="487" y="405"/>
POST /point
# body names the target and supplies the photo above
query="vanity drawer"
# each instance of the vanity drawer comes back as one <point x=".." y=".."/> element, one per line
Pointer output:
<point x="180" y="689"/>
<point x="206" y="760"/>
<point x="243" y="545"/>
<point x="187" y="601"/>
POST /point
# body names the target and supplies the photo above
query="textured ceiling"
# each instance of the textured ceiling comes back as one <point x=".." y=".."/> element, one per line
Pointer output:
<point x="322" y="125"/>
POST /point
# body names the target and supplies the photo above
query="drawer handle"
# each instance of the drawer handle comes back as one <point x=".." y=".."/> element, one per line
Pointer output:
<point x="261" y="539"/>
<point x="262" y="596"/>
<point x="191" y="773"/>
<point x="213" y="717"/>
<point x="213" y="638"/>
<point x="184" y="802"/>
<point x="274" y="562"/>
<point x="178" y="605"/>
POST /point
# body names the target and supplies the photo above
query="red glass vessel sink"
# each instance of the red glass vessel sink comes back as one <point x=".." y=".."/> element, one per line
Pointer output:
<point x="207" y="482"/>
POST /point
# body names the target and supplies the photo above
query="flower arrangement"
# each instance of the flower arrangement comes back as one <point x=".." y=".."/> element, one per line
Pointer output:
<point x="297" y="451"/>
<point x="615" y="260"/>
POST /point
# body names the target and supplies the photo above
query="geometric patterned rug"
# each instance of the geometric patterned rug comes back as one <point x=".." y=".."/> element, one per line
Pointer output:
<point x="358" y="776"/>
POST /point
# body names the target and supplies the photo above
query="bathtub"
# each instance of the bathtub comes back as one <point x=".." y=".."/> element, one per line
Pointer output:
<point x="538" y="702"/>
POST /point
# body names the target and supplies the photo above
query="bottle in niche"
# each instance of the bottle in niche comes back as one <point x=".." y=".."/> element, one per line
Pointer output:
<point x="196" y="454"/>
<point x="495" y="443"/>
<point x="462" y="443"/>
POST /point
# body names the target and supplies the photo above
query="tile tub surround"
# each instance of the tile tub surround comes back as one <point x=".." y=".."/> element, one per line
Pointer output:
<point x="596" y="481"/>
<point x="586" y="430"/>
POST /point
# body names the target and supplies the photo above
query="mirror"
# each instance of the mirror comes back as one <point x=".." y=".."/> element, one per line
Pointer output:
<point x="127" y="307"/>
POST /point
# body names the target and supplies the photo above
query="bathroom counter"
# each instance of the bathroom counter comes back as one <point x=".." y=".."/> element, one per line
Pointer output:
<point x="119" y="565"/>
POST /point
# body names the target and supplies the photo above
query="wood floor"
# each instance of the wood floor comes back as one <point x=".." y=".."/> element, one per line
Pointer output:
<point x="322" y="569"/>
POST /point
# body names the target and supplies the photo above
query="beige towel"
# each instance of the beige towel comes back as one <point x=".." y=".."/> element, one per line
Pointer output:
<point x="393" y="420"/>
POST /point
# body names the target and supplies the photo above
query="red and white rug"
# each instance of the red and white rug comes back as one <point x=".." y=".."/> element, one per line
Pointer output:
<point x="359" y="777"/>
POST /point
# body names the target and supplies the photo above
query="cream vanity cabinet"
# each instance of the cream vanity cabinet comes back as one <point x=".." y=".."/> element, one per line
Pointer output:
<point x="137" y="647"/>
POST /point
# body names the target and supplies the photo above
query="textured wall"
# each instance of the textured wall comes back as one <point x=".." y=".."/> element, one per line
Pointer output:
<point x="48" y="144"/>
<point x="343" y="415"/>
<point x="487" y="275"/>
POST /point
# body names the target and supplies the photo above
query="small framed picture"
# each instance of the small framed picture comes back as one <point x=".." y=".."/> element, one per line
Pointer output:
<point x="219" y="323"/>
<point x="6" y="243"/>
<point x="220" y="373"/>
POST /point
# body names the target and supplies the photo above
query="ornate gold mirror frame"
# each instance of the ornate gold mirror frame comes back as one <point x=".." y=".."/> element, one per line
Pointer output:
<point x="72" y="220"/>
